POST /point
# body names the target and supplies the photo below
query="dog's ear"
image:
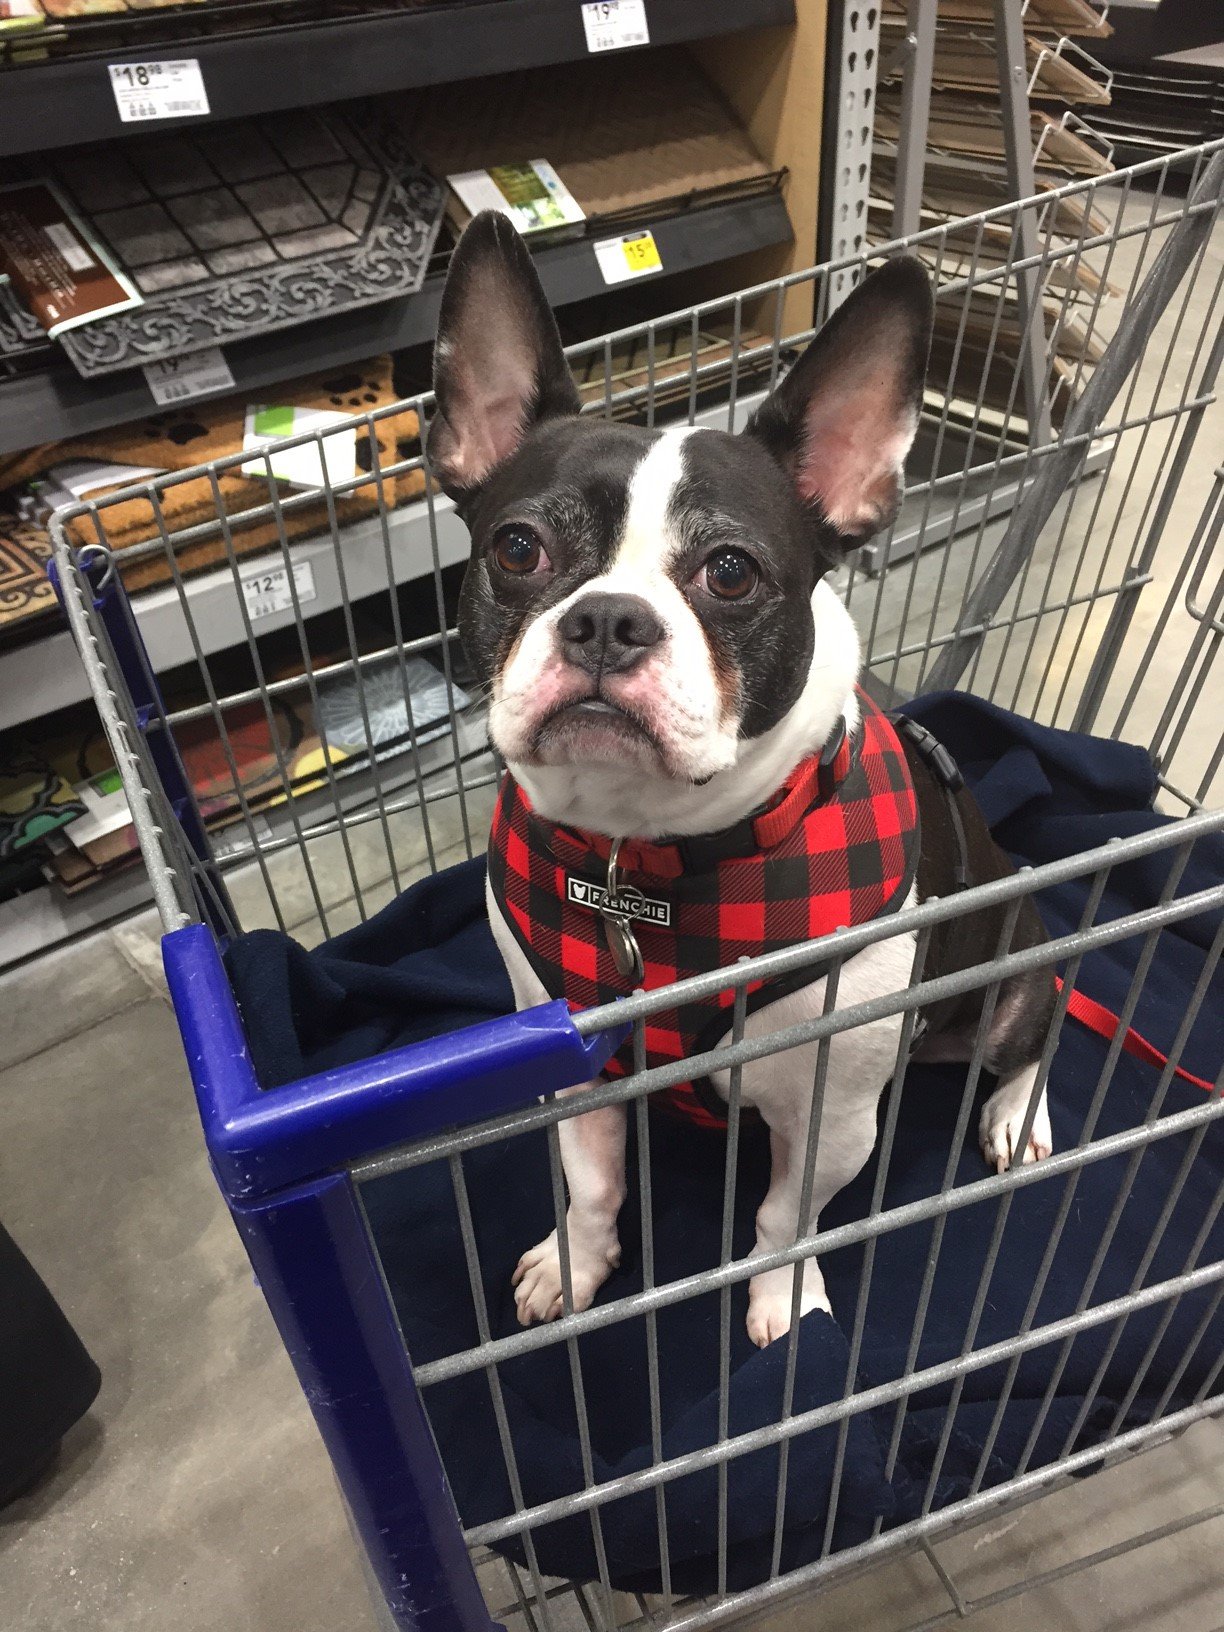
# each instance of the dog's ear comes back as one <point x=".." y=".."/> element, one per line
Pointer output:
<point x="843" y="419"/>
<point x="498" y="364"/>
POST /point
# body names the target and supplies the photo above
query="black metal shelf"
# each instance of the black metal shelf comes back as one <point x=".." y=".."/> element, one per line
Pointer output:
<point x="47" y="407"/>
<point x="67" y="100"/>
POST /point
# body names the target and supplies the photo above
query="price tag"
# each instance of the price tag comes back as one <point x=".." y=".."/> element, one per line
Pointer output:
<point x="632" y="256"/>
<point x="268" y="592"/>
<point x="613" y="25"/>
<point x="182" y="379"/>
<point x="158" y="90"/>
<point x="69" y="245"/>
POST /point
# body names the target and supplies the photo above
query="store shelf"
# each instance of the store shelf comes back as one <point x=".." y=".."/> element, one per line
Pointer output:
<point x="391" y="778"/>
<point x="33" y="923"/>
<point x="327" y="61"/>
<point x="45" y="675"/>
<point x="48" y="407"/>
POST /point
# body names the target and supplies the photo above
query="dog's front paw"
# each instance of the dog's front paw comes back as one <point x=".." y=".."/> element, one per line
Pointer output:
<point x="1002" y="1124"/>
<point x="537" y="1279"/>
<point x="771" y="1297"/>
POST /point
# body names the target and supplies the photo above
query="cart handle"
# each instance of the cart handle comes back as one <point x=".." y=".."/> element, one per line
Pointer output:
<point x="263" y="1140"/>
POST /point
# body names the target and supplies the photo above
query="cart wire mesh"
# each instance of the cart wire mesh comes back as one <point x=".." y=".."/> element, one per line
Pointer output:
<point x="1062" y="530"/>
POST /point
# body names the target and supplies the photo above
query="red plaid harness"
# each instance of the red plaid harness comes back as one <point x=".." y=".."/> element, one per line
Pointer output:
<point x="838" y="845"/>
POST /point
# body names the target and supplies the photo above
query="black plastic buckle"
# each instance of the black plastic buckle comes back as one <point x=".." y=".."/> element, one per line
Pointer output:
<point x="932" y="750"/>
<point x="702" y="852"/>
<point x="826" y="771"/>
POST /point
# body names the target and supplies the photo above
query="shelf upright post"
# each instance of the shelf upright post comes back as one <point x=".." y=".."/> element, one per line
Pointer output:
<point x="849" y="136"/>
<point x="1018" y="158"/>
<point x="919" y="50"/>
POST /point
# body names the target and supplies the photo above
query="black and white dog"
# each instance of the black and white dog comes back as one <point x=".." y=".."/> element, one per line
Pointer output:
<point x="664" y="657"/>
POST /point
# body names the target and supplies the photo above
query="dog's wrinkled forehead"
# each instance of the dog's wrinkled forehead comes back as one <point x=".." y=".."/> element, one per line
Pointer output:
<point x="571" y="477"/>
<point x="619" y="498"/>
<point x="731" y="488"/>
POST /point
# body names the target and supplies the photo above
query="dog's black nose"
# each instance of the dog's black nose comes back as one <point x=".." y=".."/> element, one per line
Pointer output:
<point x="609" y="634"/>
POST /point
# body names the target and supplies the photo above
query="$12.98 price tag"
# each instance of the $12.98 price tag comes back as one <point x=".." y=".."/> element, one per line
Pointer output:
<point x="267" y="592"/>
<point x="158" y="90"/>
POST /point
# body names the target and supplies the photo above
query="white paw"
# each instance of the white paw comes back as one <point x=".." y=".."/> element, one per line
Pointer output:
<point x="537" y="1279"/>
<point x="1002" y="1124"/>
<point x="771" y="1296"/>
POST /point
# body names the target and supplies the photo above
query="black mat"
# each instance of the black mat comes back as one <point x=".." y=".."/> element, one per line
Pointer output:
<point x="242" y="228"/>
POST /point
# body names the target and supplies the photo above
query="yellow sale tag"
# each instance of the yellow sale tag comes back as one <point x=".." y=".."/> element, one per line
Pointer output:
<point x="635" y="255"/>
<point x="641" y="252"/>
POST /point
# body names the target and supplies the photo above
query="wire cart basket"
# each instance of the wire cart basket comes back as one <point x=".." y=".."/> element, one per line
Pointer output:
<point x="1067" y="438"/>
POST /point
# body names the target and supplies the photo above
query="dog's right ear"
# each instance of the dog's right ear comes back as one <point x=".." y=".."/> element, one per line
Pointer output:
<point x="498" y="364"/>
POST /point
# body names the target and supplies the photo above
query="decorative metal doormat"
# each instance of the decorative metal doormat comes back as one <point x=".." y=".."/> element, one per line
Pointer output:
<point x="22" y="340"/>
<point x="239" y="229"/>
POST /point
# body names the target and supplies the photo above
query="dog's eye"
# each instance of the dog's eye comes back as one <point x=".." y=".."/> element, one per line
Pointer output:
<point x="518" y="551"/>
<point x="730" y="574"/>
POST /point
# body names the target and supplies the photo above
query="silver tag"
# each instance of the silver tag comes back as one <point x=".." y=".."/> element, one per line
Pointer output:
<point x="622" y="943"/>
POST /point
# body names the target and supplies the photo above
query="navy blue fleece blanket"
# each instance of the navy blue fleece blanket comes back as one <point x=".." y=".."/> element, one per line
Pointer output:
<point x="427" y="964"/>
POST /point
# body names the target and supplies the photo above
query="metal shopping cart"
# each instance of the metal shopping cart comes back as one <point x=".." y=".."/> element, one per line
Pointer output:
<point x="1048" y="561"/>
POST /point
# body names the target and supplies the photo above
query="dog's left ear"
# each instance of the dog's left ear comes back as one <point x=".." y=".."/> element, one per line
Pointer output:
<point x="499" y="367"/>
<point x="843" y="419"/>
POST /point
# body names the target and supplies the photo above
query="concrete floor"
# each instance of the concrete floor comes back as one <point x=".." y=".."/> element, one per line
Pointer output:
<point x="196" y="1494"/>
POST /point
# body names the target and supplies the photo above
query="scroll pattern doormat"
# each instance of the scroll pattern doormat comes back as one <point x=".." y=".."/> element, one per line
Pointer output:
<point x="27" y="601"/>
<point x="239" y="229"/>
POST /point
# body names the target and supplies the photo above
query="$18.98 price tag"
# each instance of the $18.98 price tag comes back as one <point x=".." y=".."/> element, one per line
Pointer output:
<point x="158" y="90"/>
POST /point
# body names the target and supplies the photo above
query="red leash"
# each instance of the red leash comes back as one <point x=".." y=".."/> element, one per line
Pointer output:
<point x="1105" y="1023"/>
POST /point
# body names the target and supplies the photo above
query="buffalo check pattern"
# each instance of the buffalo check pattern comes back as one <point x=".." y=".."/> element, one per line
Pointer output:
<point x="818" y="858"/>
